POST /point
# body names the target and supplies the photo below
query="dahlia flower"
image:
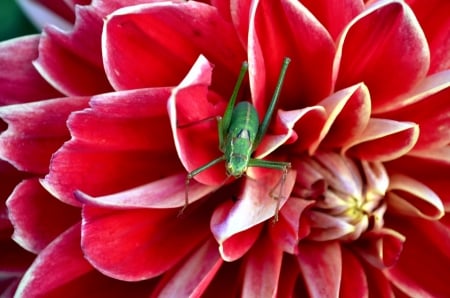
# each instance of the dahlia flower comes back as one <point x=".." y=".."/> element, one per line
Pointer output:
<point x="103" y="116"/>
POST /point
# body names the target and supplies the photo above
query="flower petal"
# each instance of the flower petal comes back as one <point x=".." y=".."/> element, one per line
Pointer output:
<point x="385" y="48"/>
<point x="254" y="206"/>
<point x="383" y="140"/>
<point x="433" y="18"/>
<point x="194" y="275"/>
<point x="19" y="80"/>
<point x="334" y="15"/>
<point x="354" y="280"/>
<point x="408" y="196"/>
<point x="411" y="274"/>
<point x="189" y="106"/>
<point x="292" y="226"/>
<point x="163" y="193"/>
<point x="321" y="265"/>
<point x="35" y="131"/>
<point x="381" y="248"/>
<point x="348" y="113"/>
<point x="142" y="31"/>
<point x="263" y="264"/>
<point x="135" y="245"/>
<point x="64" y="56"/>
<point x="297" y="35"/>
<point x="75" y="278"/>
<point x="38" y="218"/>
<point x="130" y="141"/>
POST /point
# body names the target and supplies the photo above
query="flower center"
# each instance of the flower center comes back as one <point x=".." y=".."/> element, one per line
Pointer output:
<point x="348" y="195"/>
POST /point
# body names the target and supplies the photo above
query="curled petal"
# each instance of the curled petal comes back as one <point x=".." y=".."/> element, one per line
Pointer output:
<point x="381" y="248"/>
<point x="255" y="205"/>
<point x="327" y="227"/>
<point x="115" y="233"/>
<point x="410" y="197"/>
<point x="383" y="140"/>
<point x="348" y="113"/>
<point x="372" y="49"/>
<point x="193" y="121"/>
<point x="194" y="275"/>
<point x="142" y="31"/>
<point x="19" y="80"/>
<point x="35" y="131"/>
<point x="263" y="264"/>
<point x="37" y="217"/>
<point x="164" y="193"/>
<point x="321" y="265"/>
<point x="306" y="77"/>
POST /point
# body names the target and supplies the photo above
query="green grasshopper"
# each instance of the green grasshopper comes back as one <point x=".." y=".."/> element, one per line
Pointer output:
<point x="240" y="133"/>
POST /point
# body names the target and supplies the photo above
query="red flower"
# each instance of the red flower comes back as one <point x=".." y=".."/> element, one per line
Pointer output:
<point x="363" y="117"/>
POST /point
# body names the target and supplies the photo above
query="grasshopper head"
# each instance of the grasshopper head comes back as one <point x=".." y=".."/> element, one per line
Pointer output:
<point x="237" y="165"/>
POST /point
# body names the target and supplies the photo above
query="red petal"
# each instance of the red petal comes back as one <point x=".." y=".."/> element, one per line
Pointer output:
<point x="254" y="206"/>
<point x="129" y="146"/>
<point x="194" y="275"/>
<point x="334" y="15"/>
<point x="348" y="113"/>
<point x="19" y="80"/>
<point x="139" y="54"/>
<point x="164" y="193"/>
<point x="10" y="177"/>
<point x="386" y="49"/>
<point x="321" y="265"/>
<point x="354" y="280"/>
<point x="427" y="105"/>
<point x="139" y="244"/>
<point x="189" y="104"/>
<point x="408" y="196"/>
<point x="433" y="18"/>
<point x="262" y="270"/>
<point x="379" y="285"/>
<point x="35" y="131"/>
<point x="297" y="34"/>
<point x="383" y="140"/>
<point x="381" y="248"/>
<point x="75" y="276"/>
<point x="423" y="267"/>
<point x="64" y="56"/>
<point x="38" y="218"/>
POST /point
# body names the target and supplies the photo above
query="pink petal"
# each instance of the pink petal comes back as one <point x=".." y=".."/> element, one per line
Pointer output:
<point x="291" y="227"/>
<point x="383" y="140"/>
<point x="408" y="196"/>
<point x="321" y="265"/>
<point x="164" y="193"/>
<point x="348" y="113"/>
<point x="423" y="267"/>
<point x="131" y="244"/>
<point x="262" y="270"/>
<point x="129" y="142"/>
<point x="192" y="278"/>
<point x="354" y="280"/>
<point x="64" y="56"/>
<point x="75" y="278"/>
<point x="254" y="206"/>
<point x="334" y="15"/>
<point x="38" y="218"/>
<point x="433" y="18"/>
<point x="381" y="248"/>
<point x="35" y="131"/>
<point x="19" y="80"/>
<point x="139" y="54"/>
<point x="297" y="34"/>
<point x="386" y="49"/>
<point x="189" y="104"/>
